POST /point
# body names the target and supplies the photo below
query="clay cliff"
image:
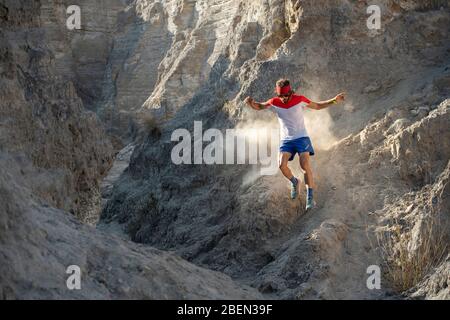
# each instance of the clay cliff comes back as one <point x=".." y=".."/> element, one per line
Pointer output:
<point x="54" y="151"/>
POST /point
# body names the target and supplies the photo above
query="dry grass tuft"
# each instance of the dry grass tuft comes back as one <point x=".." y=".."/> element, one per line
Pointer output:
<point x="406" y="267"/>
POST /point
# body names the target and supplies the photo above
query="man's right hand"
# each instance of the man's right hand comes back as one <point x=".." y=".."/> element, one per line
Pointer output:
<point x="256" y="105"/>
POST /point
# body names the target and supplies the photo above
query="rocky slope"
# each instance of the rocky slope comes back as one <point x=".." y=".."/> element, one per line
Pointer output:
<point x="146" y="68"/>
<point x="38" y="243"/>
<point x="43" y="117"/>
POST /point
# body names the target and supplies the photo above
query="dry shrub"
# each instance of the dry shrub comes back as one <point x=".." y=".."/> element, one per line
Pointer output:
<point x="405" y="268"/>
<point x="150" y="125"/>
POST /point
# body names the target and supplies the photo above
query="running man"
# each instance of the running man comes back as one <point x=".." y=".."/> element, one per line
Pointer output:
<point x="294" y="137"/>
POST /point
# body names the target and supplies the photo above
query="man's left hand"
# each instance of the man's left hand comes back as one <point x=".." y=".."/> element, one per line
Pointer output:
<point x="340" y="97"/>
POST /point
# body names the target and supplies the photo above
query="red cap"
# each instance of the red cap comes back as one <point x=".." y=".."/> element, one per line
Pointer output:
<point x="283" y="90"/>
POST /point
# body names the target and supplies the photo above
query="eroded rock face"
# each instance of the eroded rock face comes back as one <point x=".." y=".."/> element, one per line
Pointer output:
<point x="252" y="231"/>
<point x="209" y="36"/>
<point x="53" y="154"/>
<point x="435" y="285"/>
<point x="181" y="61"/>
<point x="44" y="118"/>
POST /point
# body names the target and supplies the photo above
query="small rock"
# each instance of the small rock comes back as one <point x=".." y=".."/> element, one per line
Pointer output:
<point x="397" y="126"/>
<point x="372" y="88"/>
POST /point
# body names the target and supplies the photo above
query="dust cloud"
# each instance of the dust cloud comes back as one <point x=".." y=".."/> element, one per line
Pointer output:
<point x="319" y="125"/>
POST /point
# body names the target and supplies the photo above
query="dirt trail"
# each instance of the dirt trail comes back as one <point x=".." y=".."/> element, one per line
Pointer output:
<point x="121" y="162"/>
<point x="342" y="219"/>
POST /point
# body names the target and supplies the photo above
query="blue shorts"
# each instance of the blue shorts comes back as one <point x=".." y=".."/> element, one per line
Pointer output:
<point x="298" y="145"/>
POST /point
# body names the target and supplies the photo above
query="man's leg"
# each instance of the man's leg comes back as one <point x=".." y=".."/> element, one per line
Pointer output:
<point x="283" y="160"/>
<point x="305" y="164"/>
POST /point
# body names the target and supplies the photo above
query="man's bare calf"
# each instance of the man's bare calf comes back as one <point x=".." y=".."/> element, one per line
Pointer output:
<point x="305" y="164"/>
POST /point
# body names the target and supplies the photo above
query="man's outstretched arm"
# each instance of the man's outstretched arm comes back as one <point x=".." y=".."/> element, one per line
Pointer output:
<point x="325" y="104"/>
<point x="257" y="105"/>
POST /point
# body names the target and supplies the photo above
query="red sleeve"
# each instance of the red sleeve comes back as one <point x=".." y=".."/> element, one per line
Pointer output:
<point x="270" y="102"/>
<point x="299" y="99"/>
<point x="305" y="99"/>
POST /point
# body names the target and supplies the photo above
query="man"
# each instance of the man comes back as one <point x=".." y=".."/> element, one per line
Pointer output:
<point x="294" y="137"/>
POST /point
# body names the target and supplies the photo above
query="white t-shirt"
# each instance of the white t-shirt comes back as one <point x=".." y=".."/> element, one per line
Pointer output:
<point x="290" y="116"/>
